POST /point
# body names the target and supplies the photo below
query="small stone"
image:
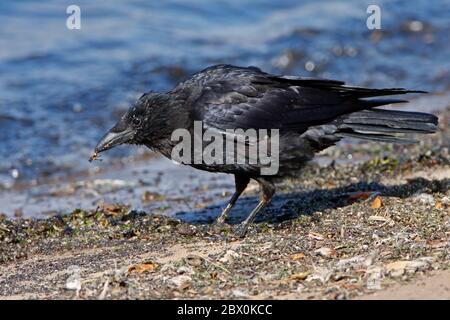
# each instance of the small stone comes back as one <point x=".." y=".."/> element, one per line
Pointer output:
<point x="370" y="259"/>
<point x="397" y="268"/>
<point x="316" y="236"/>
<point x="298" y="256"/>
<point x="229" y="257"/>
<point x="322" y="274"/>
<point x="185" y="270"/>
<point x="148" y="196"/>
<point x="193" y="260"/>
<point x="326" y="252"/>
<point x="73" y="282"/>
<point x="417" y="265"/>
<point x="239" y="293"/>
<point x="356" y="260"/>
<point x="300" y="276"/>
<point x="181" y="282"/>
<point x="424" y="198"/>
<point x="374" y="279"/>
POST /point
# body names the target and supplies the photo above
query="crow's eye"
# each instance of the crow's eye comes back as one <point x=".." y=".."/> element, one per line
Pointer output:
<point x="136" y="121"/>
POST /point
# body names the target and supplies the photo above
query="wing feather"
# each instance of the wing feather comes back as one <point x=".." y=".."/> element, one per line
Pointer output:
<point x="228" y="97"/>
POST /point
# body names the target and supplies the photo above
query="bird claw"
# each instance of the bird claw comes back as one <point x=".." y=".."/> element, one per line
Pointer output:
<point x="241" y="230"/>
<point x="220" y="221"/>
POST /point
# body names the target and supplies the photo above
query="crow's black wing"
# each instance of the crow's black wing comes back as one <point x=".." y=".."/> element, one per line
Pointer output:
<point x="227" y="97"/>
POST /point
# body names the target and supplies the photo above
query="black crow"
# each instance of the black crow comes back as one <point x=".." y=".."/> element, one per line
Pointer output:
<point x="310" y="114"/>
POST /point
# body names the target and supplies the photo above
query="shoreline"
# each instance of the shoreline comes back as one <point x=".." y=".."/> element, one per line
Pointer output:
<point x="341" y="231"/>
<point x="133" y="176"/>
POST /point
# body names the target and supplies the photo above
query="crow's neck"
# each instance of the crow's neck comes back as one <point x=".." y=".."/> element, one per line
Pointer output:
<point x="171" y="114"/>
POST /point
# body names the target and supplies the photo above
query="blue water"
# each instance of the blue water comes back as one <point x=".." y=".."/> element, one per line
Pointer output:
<point x="61" y="89"/>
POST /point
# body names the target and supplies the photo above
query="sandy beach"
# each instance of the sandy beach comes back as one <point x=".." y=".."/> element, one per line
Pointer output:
<point x="376" y="228"/>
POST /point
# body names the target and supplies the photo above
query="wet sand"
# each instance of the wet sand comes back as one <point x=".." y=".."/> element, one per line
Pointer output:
<point x="344" y="230"/>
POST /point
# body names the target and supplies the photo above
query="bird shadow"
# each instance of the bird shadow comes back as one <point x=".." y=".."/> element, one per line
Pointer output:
<point x="291" y="205"/>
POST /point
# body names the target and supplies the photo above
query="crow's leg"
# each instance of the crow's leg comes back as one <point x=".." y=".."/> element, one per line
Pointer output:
<point x="241" y="183"/>
<point x="268" y="190"/>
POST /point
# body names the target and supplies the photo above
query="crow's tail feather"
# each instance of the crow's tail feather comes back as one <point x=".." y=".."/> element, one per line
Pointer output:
<point x="384" y="125"/>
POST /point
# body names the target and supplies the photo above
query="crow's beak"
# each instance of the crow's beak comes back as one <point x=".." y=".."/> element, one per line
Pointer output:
<point x="113" y="139"/>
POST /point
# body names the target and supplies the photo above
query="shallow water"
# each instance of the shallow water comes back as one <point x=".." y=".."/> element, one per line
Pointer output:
<point x="61" y="89"/>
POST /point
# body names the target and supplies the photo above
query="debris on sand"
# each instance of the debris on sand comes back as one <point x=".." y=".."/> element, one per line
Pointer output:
<point x="181" y="282"/>
<point x="73" y="282"/>
<point x="320" y="245"/>
<point x="147" y="266"/>
<point x="326" y="252"/>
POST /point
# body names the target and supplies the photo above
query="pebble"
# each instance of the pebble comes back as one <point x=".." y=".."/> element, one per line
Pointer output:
<point x="185" y="270"/>
<point x="326" y="252"/>
<point x="398" y="268"/>
<point x="181" y="282"/>
<point x="229" y="257"/>
<point x="424" y="198"/>
<point x="374" y="279"/>
<point x="73" y="282"/>
<point x="349" y="261"/>
<point x="320" y="273"/>
<point x="239" y="293"/>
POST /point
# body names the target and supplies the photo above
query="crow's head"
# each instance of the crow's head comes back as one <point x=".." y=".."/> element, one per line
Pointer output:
<point x="143" y="123"/>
